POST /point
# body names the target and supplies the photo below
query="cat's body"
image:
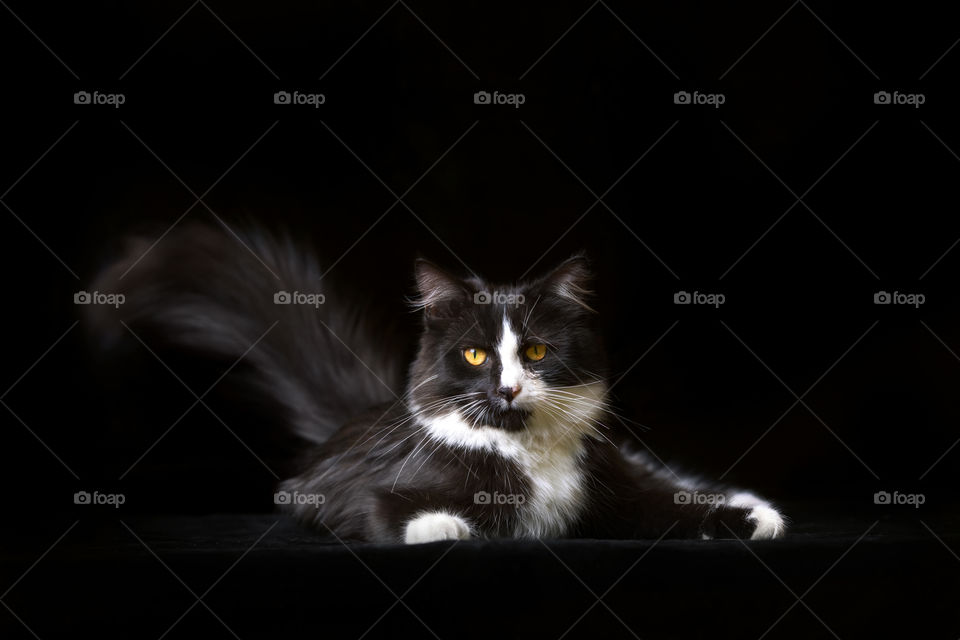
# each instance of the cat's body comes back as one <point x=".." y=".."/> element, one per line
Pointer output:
<point x="504" y="427"/>
<point x="416" y="487"/>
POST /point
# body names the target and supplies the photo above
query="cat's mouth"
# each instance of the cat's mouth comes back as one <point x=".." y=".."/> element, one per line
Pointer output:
<point x="509" y="417"/>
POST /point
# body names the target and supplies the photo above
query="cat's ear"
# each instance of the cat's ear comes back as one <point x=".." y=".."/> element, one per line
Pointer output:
<point x="440" y="294"/>
<point x="571" y="280"/>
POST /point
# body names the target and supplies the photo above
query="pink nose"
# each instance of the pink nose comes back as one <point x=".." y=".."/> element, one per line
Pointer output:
<point x="508" y="393"/>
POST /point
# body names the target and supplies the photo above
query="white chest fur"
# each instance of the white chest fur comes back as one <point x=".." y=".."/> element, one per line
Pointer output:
<point x="549" y="453"/>
<point x="556" y="482"/>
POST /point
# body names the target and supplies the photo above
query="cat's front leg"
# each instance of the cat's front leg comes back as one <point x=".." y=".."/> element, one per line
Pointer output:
<point x="415" y="517"/>
<point x="693" y="509"/>
<point x="743" y="515"/>
<point x="649" y="507"/>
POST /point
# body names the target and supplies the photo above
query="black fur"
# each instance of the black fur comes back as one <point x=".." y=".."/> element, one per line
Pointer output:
<point x="373" y="465"/>
<point x="201" y="289"/>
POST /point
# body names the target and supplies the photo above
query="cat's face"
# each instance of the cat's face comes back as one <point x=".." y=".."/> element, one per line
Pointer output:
<point x="502" y="356"/>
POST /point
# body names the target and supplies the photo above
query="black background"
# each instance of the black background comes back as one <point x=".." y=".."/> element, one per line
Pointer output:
<point x="702" y="199"/>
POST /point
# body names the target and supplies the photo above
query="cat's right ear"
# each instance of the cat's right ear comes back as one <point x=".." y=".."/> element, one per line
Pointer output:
<point x="441" y="295"/>
<point x="571" y="281"/>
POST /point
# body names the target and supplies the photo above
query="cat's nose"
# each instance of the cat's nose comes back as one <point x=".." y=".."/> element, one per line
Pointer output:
<point x="508" y="393"/>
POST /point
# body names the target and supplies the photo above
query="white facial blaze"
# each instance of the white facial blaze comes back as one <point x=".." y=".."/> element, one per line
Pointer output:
<point x="509" y="350"/>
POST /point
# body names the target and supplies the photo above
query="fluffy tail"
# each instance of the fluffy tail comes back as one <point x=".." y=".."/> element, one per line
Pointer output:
<point x="213" y="293"/>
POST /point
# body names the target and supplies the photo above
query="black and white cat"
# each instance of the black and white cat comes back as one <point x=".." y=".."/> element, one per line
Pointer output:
<point x="503" y="429"/>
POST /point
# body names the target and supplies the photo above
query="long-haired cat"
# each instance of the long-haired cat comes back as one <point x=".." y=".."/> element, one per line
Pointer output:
<point x="503" y="426"/>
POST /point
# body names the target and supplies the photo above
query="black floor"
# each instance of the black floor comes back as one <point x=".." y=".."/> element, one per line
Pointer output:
<point x="262" y="575"/>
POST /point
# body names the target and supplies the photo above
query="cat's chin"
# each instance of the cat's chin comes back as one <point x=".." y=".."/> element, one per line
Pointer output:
<point x="513" y="419"/>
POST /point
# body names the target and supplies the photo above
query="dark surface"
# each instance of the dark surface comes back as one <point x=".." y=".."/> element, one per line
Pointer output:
<point x="263" y="576"/>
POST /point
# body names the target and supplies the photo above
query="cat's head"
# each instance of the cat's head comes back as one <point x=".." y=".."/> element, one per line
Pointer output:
<point x="507" y="356"/>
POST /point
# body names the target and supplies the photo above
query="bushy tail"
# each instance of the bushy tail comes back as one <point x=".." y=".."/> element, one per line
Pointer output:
<point x="214" y="293"/>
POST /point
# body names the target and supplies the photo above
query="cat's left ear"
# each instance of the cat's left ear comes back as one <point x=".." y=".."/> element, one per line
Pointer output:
<point x="441" y="294"/>
<point x="572" y="280"/>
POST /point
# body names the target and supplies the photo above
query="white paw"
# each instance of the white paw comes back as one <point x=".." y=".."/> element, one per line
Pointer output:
<point x="437" y="525"/>
<point x="769" y="523"/>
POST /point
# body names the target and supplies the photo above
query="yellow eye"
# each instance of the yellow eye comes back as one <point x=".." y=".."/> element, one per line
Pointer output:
<point x="476" y="357"/>
<point x="536" y="352"/>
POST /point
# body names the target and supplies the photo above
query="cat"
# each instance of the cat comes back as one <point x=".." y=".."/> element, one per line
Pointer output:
<point x="504" y="428"/>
